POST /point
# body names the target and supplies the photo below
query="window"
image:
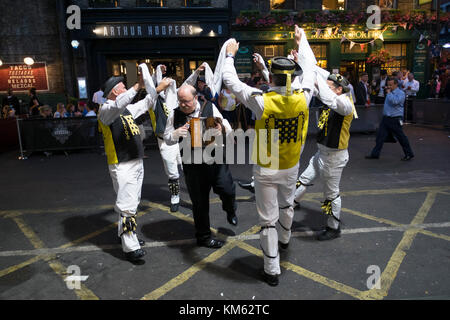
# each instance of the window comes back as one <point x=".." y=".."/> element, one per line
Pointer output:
<point x="197" y="3"/>
<point x="281" y="4"/>
<point x="270" y="51"/>
<point x="333" y="4"/>
<point x="103" y="3"/>
<point x="387" y="4"/>
<point x="320" y="52"/>
<point x="398" y="52"/>
<point x="345" y="48"/>
<point x="151" y="3"/>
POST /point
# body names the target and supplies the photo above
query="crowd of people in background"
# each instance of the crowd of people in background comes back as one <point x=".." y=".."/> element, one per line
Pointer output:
<point x="367" y="93"/>
<point x="364" y="93"/>
<point x="11" y="107"/>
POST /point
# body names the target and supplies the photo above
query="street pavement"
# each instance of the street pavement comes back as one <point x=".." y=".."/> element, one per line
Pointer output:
<point x="57" y="216"/>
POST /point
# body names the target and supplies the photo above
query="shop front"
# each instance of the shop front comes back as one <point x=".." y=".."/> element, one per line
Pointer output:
<point x="116" y="46"/>
<point x="344" y="50"/>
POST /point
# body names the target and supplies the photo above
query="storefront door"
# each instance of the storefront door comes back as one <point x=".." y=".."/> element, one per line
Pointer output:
<point x="354" y="68"/>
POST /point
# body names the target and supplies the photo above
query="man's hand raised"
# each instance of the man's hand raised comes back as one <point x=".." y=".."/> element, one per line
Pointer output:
<point x="232" y="47"/>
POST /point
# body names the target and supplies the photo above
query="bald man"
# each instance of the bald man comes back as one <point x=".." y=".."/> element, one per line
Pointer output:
<point x="201" y="177"/>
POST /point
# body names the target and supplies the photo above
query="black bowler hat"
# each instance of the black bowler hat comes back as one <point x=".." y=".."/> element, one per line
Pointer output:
<point x="110" y="84"/>
<point x="283" y="65"/>
<point x="340" y="81"/>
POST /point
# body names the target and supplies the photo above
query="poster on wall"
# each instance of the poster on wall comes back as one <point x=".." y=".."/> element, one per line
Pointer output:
<point x="21" y="77"/>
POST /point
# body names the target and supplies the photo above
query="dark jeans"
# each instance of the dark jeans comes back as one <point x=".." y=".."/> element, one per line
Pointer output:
<point x="391" y="125"/>
<point x="409" y="108"/>
<point x="199" y="180"/>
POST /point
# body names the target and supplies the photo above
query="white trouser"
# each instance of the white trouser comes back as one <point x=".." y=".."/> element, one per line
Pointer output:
<point x="127" y="180"/>
<point x="327" y="164"/>
<point x="171" y="158"/>
<point x="274" y="193"/>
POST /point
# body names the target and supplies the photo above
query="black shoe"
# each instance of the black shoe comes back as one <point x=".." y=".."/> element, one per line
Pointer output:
<point x="135" y="255"/>
<point x="247" y="186"/>
<point x="141" y="242"/>
<point x="407" y="158"/>
<point x="329" y="234"/>
<point x="283" y="246"/>
<point x="174" y="207"/>
<point x="371" y="157"/>
<point x="271" y="280"/>
<point x="232" y="218"/>
<point x="211" y="243"/>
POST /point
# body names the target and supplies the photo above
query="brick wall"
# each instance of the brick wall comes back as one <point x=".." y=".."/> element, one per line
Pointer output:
<point x="29" y="28"/>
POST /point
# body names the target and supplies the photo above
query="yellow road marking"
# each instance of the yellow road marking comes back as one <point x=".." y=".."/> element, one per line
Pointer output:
<point x="308" y="274"/>
<point x="390" y="272"/>
<point x="83" y="293"/>
<point x="385" y="221"/>
<point x="189" y="273"/>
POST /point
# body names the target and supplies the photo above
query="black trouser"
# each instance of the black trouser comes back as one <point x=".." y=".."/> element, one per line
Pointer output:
<point x="392" y="125"/>
<point x="409" y="108"/>
<point x="199" y="180"/>
<point x="379" y="100"/>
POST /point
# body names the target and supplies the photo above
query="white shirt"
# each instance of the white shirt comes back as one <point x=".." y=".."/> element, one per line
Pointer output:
<point x="91" y="114"/>
<point x="98" y="97"/>
<point x="111" y="109"/>
<point x="170" y="140"/>
<point x="414" y="84"/>
<point x="382" y="84"/>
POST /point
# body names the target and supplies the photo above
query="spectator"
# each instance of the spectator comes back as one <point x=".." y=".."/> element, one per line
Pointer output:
<point x="227" y="104"/>
<point x="8" y="112"/>
<point x="34" y="104"/>
<point x="391" y="122"/>
<point x="90" y="109"/>
<point x="45" y="112"/>
<point x="98" y="97"/>
<point x="380" y="86"/>
<point x="70" y="110"/>
<point x="411" y="87"/>
<point x="11" y="100"/>
<point x="350" y="86"/>
<point x="435" y="87"/>
<point x="398" y="75"/>
<point x="203" y="91"/>
<point x="82" y="110"/>
<point x="60" y="111"/>
<point x="362" y="90"/>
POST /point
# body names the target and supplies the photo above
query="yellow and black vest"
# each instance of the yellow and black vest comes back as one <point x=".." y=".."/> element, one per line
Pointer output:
<point x="159" y="117"/>
<point x="288" y="114"/>
<point x="122" y="139"/>
<point x="334" y="129"/>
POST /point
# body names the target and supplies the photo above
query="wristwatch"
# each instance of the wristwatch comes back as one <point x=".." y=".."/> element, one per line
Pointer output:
<point x="230" y="55"/>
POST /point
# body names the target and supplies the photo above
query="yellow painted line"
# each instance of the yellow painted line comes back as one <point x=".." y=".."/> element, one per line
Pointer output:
<point x="19" y="266"/>
<point x="83" y="293"/>
<point x="308" y="274"/>
<point x="390" y="272"/>
<point x="385" y="221"/>
<point x="16" y="213"/>
<point x="67" y="245"/>
<point x="189" y="273"/>
<point x="394" y="191"/>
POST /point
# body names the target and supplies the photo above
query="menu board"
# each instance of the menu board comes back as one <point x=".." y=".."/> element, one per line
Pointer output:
<point x="21" y="77"/>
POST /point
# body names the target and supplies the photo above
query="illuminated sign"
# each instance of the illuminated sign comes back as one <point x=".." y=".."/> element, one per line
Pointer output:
<point x="21" y="77"/>
<point x="152" y="30"/>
